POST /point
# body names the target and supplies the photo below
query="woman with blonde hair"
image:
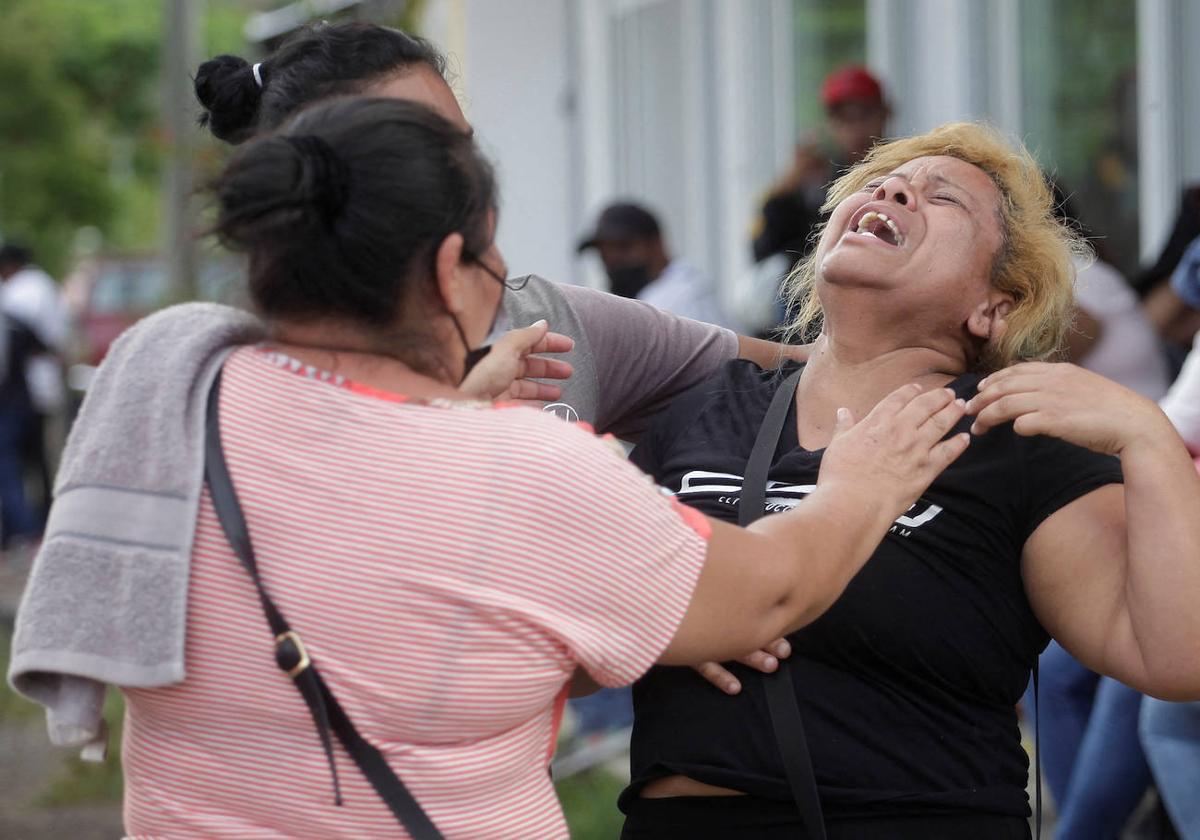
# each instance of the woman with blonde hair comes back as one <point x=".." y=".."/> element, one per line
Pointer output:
<point x="1074" y="514"/>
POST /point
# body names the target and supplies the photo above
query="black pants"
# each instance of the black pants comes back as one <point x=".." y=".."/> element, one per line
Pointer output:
<point x="751" y="818"/>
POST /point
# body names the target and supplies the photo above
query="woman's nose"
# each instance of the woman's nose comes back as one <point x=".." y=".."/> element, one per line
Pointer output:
<point x="898" y="190"/>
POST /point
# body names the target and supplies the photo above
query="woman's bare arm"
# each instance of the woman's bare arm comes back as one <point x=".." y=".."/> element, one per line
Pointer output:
<point x="1114" y="575"/>
<point x="768" y="354"/>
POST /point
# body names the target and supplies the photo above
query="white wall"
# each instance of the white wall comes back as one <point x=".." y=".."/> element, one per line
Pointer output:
<point x="681" y="104"/>
<point x="513" y="66"/>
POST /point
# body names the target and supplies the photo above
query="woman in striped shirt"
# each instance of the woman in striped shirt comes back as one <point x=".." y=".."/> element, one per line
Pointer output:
<point x="450" y="563"/>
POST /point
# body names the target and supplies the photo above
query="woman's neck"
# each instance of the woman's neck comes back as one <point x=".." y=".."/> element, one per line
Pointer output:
<point x="857" y="375"/>
<point x="351" y="352"/>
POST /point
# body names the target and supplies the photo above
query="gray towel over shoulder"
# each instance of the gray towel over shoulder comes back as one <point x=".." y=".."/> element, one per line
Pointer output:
<point x="106" y="600"/>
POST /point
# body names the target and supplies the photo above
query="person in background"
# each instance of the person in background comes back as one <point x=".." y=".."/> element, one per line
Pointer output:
<point x="856" y="114"/>
<point x="30" y="295"/>
<point x="1170" y="732"/>
<point x="1112" y="335"/>
<point x="1176" y="318"/>
<point x="18" y="344"/>
<point x="639" y="265"/>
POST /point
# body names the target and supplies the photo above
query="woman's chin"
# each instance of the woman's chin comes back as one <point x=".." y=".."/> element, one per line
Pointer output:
<point x="851" y="275"/>
<point x="848" y="264"/>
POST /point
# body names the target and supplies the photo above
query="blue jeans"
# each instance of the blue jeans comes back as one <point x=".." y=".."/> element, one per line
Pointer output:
<point x="16" y="517"/>
<point x="1091" y="754"/>
<point x="1171" y="739"/>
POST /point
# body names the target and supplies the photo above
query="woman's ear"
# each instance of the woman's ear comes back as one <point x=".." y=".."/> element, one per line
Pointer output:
<point x="988" y="321"/>
<point x="447" y="266"/>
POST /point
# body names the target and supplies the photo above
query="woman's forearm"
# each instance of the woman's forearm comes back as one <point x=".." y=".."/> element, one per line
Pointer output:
<point x="1162" y="587"/>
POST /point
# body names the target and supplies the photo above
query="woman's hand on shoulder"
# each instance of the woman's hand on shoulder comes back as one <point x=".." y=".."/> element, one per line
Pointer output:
<point x="765" y="660"/>
<point x="1067" y="402"/>
<point x="897" y="450"/>
<point x="510" y="370"/>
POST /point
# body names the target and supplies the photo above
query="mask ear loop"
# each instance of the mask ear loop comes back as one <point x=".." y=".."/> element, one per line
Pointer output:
<point x="473" y="357"/>
<point x="477" y="355"/>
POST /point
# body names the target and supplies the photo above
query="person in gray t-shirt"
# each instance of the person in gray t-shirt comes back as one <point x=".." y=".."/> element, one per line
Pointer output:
<point x="629" y="359"/>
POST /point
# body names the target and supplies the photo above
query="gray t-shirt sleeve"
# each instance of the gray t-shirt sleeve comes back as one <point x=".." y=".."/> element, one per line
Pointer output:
<point x="643" y="357"/>
<point x="630" y="359"/>
<point x="541" y="298"/>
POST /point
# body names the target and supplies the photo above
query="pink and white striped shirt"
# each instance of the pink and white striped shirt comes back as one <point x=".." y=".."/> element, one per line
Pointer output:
<point x="448" y="566"/>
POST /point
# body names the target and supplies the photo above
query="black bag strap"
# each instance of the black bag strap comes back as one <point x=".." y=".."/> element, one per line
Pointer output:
<point x="290" y="654"/>
<point x="779" y="688"/>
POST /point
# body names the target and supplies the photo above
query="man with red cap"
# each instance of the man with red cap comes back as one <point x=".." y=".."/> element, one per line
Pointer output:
<point x="856" y="114"/>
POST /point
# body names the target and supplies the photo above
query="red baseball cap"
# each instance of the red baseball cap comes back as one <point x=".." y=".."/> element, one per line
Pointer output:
<point x="851" y="83"/>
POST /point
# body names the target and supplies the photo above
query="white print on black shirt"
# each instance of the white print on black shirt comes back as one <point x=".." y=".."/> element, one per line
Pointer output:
<point x="727" y="489"/>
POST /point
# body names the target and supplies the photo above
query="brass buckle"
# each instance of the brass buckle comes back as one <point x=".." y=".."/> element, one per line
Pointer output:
<point x="294" y="638"/>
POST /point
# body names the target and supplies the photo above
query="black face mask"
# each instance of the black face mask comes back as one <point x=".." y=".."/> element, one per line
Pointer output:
<point x="474" y="356"/>
<point x="628" y="280"/>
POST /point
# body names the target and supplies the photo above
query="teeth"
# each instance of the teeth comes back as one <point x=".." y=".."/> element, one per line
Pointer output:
<point x="865" y="222"/>
<point x="864" y="225"/>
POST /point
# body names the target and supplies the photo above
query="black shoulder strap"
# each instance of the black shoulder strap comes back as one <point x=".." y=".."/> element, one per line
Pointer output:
<point x="779" y="688"/>
<point x="290" y="654"/>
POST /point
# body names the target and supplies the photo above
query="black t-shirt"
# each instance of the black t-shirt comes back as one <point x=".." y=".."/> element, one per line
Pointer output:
<point x="907" y="685"/>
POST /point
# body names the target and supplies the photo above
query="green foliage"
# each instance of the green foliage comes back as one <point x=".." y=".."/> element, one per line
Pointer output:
<point x="80" y="137"/>
<point x="590" y="803"/>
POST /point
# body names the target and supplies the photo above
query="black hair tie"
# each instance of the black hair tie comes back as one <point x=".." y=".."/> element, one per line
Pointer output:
<point x="325" y="178"/>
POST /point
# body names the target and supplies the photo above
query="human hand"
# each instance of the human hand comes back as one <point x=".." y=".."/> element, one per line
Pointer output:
<point x="765" y="660"/>
<point x="896" y="451"/>
<point x="509" y="370"/>
<point x="1067" y="402"/>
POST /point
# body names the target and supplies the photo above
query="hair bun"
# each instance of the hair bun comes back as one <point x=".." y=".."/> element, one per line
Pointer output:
<point x="324" y="178"/>
<point x="230" y="94"/>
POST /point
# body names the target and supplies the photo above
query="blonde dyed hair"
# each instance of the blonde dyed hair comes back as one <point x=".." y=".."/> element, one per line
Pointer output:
<point x="1035" y="262"/>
